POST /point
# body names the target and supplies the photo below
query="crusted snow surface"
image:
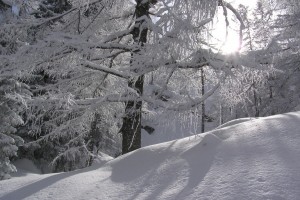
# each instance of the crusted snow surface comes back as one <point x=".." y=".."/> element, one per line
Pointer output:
<point x="257" y="159"/>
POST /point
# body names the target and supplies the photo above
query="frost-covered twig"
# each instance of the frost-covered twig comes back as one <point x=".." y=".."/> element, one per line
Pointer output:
<point x="114" y="72"/>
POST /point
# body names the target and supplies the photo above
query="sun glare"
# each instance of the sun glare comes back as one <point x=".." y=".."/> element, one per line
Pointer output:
<point x="231" y="45"/>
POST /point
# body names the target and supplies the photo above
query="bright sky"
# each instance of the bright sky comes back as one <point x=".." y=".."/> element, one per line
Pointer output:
<point x="232" y="43"/>
<point x="250" y="3"/>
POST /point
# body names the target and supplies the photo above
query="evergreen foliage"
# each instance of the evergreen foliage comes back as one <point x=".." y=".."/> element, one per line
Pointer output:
<point x="13" y="95"/>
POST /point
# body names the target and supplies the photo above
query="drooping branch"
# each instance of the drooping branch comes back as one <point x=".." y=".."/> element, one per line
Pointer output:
<point x="238" y="16"/>
<point x="234" y="11"/>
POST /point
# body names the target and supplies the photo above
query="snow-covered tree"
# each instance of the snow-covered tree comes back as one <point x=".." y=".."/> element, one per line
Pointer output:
<point x="275" y="40"/>
<point x="54" y="128"/>
<point x="248" y="94"/>
<point x="113" y="60"/>
<point x="13" y="95"/>
<point x="285" y="47"/>
<point x="175" y="45"/>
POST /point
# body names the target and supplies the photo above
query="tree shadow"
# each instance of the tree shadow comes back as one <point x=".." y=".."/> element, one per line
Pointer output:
<point x="35" y="187"/>
<point x="195" y="161"/>
<point x="126" y="170"/>
<point x="200" y="158"/>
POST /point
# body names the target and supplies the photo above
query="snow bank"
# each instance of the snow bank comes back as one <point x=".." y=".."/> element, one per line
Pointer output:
<point x="235" y="121"/>
<point x="257" y="159"/>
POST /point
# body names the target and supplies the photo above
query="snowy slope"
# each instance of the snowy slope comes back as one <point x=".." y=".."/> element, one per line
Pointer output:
<point x="257" y="159"/>
<point x="235" y="121"/>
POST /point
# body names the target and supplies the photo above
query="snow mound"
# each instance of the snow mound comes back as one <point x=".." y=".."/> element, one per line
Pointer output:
<point x="257" y="159"/>
<point x="235" y="121"/>
<point x="102" y="158"/>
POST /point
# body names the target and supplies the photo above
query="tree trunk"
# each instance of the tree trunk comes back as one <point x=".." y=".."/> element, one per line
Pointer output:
<point x="203" y="103"/>
<point x="131" y="128"/>
<point x="221" y="115"/>
<point x="256" y="101"/>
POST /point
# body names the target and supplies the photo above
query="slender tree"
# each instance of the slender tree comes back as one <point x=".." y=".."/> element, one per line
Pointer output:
<point x="203" y="103"/>
<point x="131" y="128"/>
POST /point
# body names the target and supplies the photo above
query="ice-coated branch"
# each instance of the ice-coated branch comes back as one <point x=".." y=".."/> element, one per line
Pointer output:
<point x="109" y="55"/>
<point x="57" y="17"/>
<point x="93" y="20"/>
<point x="192" y="65"/>
<point x="195" y="102"/>
<point x="204" y="22"/>
<point x="164" y="86"/>
<point x="117" y="35"/>
<point x="238" y="16"/>
<point x="98" y="67"/>
<point x="234" y="11"/>
<point x="181" y="106"/>
<point x="113" y="46"/>
<point x="113" y="98"/>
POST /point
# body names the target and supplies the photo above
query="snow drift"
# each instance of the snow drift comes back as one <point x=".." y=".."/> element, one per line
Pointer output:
<point x="257" y="159"/>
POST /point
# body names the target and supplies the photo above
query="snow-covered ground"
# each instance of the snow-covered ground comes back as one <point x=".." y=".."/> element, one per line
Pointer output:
<point x="257" y="159"/>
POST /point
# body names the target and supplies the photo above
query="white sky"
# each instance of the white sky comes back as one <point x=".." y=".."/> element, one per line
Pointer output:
<point x="232" y="43"/>
<point x="250" y="3"/>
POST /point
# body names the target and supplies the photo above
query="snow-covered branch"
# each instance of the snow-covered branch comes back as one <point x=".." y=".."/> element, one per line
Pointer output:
<point x="98" y="67"/>
<point x="57" y="17"/>
<point x="194" y="102"/>
<point x="235" y="12"/>
<point x="117" y="35"/>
